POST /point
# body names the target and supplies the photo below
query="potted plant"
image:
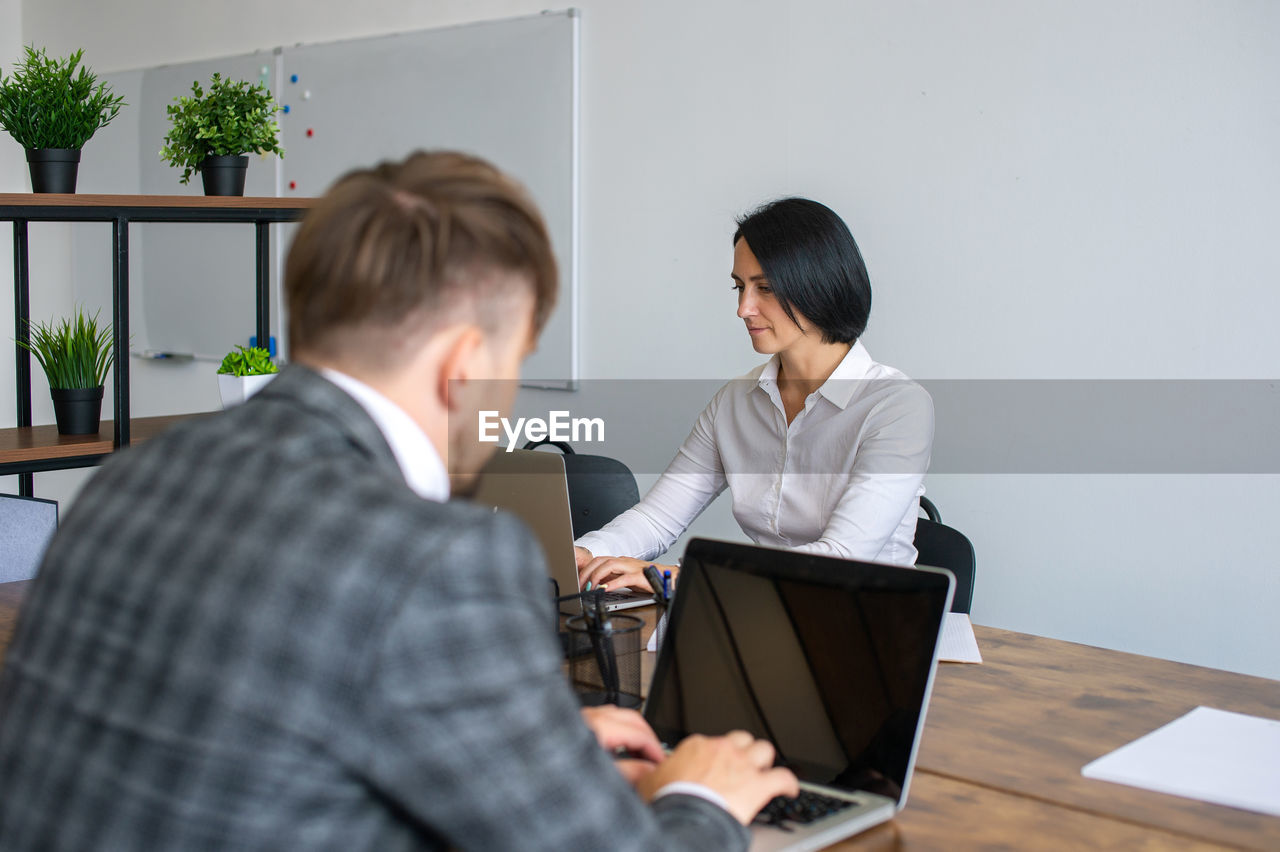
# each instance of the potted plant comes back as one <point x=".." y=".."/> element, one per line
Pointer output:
<point x="52" y="107"/>
<point x="215" y="131"/>
<point x="75" y="357"/>
<point x="244" y="372"/>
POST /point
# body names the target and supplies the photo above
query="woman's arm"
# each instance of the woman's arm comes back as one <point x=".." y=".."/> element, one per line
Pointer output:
<point x="693" y="479"/>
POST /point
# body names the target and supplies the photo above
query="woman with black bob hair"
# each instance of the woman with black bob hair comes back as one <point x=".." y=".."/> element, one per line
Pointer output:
<point x="823" y="449"/>
<point x="813" y="263"/>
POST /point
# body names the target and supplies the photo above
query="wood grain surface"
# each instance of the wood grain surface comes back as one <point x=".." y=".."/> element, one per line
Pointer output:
<point x="11" y="595"/>
<point x="34" y="443"/>
<point x="949" y="814"/>
<point x="1037" y="710"/>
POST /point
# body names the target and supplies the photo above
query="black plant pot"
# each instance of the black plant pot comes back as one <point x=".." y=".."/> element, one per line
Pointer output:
<point x="53" y="169"/>
<point x="78" y="410"/>
<point x="224" y="175"/>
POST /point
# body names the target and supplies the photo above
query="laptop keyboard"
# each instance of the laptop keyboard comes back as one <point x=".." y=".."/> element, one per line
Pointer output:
<point x="620" y="597"/>
<point x="803" y="809"/>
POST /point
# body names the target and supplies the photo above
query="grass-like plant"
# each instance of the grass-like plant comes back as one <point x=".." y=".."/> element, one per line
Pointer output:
<point x="73" y="354"/>
<point x="248" y="361"/>
<point x="232" y="118"/>
<point x="54" y="103"/>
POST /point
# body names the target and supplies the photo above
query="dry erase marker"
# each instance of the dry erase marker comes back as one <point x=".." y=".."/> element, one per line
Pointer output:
<point x="654" y="581"/>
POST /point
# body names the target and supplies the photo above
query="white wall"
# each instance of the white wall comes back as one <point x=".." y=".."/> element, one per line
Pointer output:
<point x="12" y="179"/>
<point x="1041" y="190"/>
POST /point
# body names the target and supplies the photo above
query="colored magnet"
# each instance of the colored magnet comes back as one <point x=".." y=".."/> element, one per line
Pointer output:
<point x="293" y="184"/>
<point x="286" y="109"/>
<point x="310" y="133"/>
<point x="293" y="78"/>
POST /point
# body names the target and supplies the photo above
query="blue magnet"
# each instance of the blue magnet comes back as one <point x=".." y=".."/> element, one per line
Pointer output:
<point x="286" y="108"/>
<point x="293" y="78"/>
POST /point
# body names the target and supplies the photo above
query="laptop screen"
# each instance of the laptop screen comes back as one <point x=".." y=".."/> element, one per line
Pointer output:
<point x="830" y="660"/>
<point x="532" y="486"/>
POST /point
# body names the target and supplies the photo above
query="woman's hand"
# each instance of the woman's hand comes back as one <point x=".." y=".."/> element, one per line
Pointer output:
<point x="614" y="572"/>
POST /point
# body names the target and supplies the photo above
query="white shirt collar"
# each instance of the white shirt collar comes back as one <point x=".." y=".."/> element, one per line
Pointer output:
<point x="840" y="385"/>
<point x="423" y="470"/>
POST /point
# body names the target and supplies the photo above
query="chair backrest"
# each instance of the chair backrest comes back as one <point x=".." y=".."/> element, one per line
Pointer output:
<point x="941" y="546"/>
<point x="26" y="525"/>
<point x="600" y="488"/>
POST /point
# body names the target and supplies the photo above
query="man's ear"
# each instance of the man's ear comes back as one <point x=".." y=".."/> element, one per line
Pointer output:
<point x="459" y="365"/>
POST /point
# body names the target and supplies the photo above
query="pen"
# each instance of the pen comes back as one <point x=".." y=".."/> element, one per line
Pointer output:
<point x="607" y="658"/>
<point x="612" y="686"/>
<point x="655" y="582"/>
<point x="592" y="612"/>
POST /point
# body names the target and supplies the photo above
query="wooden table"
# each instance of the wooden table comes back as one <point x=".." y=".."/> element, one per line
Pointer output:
<point x="1004" y="742"/>
<point x="1037" y="710"/>
<point x="11" y="595"/>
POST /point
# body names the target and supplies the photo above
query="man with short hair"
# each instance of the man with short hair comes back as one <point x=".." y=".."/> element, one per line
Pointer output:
<point x="255" y="633"/>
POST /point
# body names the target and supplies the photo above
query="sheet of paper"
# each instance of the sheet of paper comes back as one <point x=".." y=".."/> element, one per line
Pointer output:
<point x="1213" y="755"/>
<point x="959" y="645"/>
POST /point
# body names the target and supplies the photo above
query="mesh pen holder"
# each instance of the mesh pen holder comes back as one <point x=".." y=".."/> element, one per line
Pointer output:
<point x="606" y="666"/>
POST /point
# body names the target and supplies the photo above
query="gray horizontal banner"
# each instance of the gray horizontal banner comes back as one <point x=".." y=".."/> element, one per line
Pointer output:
<point x="981" y="426"/>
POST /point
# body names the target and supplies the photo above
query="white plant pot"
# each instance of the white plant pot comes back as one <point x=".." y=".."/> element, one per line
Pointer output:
<point x="236" y="389"/>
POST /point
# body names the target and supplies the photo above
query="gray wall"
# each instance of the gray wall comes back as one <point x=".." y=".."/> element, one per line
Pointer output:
<point x="1044" y="190"/>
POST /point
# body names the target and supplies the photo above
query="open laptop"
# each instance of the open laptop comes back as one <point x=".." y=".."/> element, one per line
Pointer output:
<point x="533" y="487"/>
<point x="830" y="660"/>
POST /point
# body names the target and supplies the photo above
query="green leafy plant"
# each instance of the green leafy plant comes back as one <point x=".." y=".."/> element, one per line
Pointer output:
<point x="45" y="103"/>
<point x="248" y="361"/>
<point x="232" y="118"/>
<point x="73" y="354"/>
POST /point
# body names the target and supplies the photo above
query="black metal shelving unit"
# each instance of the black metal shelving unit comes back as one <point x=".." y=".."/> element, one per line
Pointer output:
<point x="30" y="450"/>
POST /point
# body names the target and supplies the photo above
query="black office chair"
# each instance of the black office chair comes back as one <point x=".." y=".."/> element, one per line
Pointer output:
<point x="600" y="488"/>
<point x="941" y="546"/>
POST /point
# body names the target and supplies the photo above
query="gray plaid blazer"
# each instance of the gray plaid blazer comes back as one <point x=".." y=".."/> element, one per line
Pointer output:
<point x="250" y="634"/>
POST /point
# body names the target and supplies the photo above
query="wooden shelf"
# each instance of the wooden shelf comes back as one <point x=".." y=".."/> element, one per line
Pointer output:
<point x="43" y="443"/>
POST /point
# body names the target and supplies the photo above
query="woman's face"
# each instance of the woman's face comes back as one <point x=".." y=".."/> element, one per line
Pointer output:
<point x="770" y="328"/>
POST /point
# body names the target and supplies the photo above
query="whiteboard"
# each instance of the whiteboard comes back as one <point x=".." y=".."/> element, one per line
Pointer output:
<point x="504" y="90"/>
<point x="197" y="282"/>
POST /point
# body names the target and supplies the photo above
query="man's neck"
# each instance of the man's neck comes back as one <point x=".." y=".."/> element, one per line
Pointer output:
<point x="401" y="387"/>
